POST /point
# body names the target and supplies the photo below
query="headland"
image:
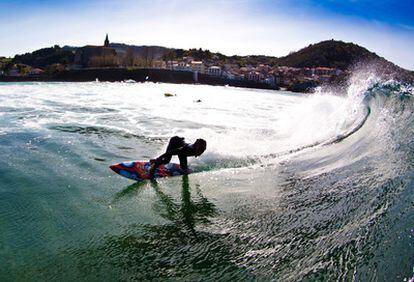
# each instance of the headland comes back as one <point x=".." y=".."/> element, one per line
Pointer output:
<point x="325" y="63"/>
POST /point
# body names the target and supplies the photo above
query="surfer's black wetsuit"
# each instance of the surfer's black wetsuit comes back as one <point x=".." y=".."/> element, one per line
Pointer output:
<point x="178" y="147"/>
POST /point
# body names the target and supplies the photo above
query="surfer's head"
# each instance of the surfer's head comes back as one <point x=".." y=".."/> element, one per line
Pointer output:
<point x="200" y="146"/>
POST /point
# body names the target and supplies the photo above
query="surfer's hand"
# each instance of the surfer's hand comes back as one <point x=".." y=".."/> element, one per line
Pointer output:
<point x="152" y="170"/>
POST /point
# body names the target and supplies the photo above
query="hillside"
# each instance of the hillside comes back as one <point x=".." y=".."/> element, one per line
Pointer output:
<point x="44" y="57"/>
<point x="331" y="53"/>
<point x="344" y="56"/>
<point x="155" y="52"/>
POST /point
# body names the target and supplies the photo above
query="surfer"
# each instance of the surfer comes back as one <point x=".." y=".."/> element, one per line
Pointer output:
<point x="178" y="147"/>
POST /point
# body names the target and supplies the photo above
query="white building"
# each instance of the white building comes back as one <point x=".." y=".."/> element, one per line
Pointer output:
<point x="214" y="70"/>
<point x="255" y="76"/>
<point x="338" y="72"/>
<point x="182" y="66"/>
<point x="197" y="66"/>
<point x="229" y="75"/>
<point x="188" y="59"/>
<point x="172" y="64"/>
<point x="36" y="71"/>
<point x="270" y="80"/>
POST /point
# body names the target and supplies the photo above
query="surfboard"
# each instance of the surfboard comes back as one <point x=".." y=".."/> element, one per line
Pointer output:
<point x="139" y="170"/>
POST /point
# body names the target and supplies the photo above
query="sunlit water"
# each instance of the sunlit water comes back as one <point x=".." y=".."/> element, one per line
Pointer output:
<point x="291" y="187"/>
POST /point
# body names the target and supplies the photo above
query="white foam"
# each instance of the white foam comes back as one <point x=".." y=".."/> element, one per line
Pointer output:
<point x="235" y="122"/>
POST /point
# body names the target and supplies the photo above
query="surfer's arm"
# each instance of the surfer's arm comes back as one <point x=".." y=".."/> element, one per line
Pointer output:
<point x="163" y="159"/>
<point x="183" y="161"/>
<point x="166" y="157"/>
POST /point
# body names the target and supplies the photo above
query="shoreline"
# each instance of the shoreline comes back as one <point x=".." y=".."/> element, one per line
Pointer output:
<point x="138" y="75"/>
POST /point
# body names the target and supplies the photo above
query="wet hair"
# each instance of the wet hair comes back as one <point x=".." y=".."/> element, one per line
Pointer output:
<point x="200" y="146"/>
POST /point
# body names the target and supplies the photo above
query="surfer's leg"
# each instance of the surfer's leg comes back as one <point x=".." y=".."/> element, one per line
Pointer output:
<point x="175" y="143"/>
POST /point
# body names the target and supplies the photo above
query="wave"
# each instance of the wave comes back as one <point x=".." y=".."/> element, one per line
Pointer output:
<point x="376" y="110"/>
<point x="347" y="202"/>
<point x="309" y="122"/>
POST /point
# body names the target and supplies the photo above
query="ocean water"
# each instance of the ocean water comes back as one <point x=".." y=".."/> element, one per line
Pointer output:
<point x="292" y="187"/>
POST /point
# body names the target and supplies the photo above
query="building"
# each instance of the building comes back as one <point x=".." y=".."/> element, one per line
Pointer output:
<point x="188" y="59"/>
<point x="338" y="72"/>
<point x="159" y="64"/>
<point x="214" y="70"/>
<point x="324" y="78"/>
<point x="309" y="72"/>
<point x="96" y="56"/>
<point x="270" y="79"/>
<point x="35" y="71"/>
<point x="171" y="64"/>
<point x="182" y="66"/>
<point x="197" y="66"/>
<point x="255" y="76"/>
<point x="106" y="42"/>
<point x="325" y="71"/>
<point x="230" y="75"/>
<point x="14" y="71"/>
<point x="264" y="69"/>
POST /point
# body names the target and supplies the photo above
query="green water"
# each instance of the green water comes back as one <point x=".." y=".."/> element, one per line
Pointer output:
<point x="272" y="199"/>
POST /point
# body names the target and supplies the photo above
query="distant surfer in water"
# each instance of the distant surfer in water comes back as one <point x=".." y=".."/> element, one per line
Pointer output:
<point x="178" y="147"/>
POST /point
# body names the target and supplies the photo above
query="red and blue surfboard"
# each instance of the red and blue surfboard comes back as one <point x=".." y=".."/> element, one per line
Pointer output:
<point x="139" y="170"/>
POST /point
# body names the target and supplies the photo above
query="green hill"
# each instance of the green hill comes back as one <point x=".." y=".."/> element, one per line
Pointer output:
<point x="44" y="57"/>
<point x="155" y="52"/>
<point x="344" y="56"/>
<point x="331" y="53"/>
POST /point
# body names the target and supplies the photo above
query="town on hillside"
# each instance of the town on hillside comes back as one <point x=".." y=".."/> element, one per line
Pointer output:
<point x="196" y="61"/>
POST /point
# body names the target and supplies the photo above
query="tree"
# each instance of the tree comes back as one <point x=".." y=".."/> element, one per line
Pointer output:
<point x="5" y="63"/>
<point x="103" y="61"/>
<point x="148" y="56"/>
<point x="129" y="59"/>
<point x="23" y="69"/>
<point x="44" y="57"/>
<point x="54" y="68"/>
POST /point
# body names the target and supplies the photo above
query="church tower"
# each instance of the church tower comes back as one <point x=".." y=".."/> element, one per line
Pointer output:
<point x="106" y="43"/>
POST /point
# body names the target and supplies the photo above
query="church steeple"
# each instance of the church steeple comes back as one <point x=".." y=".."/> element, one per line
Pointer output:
<point x="106" y="44"/>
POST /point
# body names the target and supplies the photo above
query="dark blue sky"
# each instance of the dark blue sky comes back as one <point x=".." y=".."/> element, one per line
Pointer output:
<point x="386" y="11"/>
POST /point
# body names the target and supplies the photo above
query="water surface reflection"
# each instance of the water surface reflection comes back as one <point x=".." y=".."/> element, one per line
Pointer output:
<point x="178" y="249"/>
